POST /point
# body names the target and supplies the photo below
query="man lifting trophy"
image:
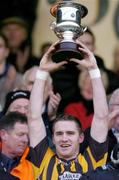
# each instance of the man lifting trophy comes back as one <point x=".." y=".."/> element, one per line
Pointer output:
<point x="67" y="28"/>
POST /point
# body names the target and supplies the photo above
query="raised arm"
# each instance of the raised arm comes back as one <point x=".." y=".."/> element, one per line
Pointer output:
<point x="37" y="130"/>
<point x="99" y="127"/>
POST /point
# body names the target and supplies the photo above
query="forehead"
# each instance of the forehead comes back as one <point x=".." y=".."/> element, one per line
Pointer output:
<point x="65" y="126"/>
<point x="13" y="25"/>
<point x="21" y="127"/>
<point x="20" y="101"/>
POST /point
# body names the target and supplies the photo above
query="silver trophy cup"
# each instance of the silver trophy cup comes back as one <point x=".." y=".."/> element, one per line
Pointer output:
<point x="68" y="28"/>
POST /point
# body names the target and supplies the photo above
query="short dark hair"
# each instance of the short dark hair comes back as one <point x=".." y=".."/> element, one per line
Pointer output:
<point x="67" y="117"/>
<point x="8" y="121"/>
<point x="88" y="30"/>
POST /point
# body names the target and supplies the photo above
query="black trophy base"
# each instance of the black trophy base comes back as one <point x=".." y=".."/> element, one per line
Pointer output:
<point x="66" y="51"/>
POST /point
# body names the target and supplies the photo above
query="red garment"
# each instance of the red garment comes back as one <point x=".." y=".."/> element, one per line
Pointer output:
<point x="79" y="111"/>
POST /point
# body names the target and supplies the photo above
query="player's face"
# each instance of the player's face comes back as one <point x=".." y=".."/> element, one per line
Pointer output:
<point x="66" y="137"/>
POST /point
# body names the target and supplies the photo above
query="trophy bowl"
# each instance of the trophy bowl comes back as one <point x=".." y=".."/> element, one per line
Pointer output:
<point x="67" y="28"/>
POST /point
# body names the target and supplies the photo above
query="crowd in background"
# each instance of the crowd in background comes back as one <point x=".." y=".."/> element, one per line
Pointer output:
<point x="68" y="90"/>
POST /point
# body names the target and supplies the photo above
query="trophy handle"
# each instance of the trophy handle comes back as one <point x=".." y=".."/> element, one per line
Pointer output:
<point x="53" y="27"/>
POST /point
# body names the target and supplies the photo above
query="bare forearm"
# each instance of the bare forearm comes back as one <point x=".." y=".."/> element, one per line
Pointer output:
<point x="36" y="98"/>
<point x="99" y="128"/>
<point x="99" y="99"/>
<point x="36" y="126"/>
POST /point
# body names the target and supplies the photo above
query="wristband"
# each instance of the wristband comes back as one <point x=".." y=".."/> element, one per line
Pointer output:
<point x="94" y="73"/>
<point x="43" y="75"/>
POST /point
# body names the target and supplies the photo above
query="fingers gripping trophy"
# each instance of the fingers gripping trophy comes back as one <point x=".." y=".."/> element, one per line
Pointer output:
<point x="67" y="28"/>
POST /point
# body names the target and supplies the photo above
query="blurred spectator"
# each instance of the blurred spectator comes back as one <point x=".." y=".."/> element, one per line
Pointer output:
<point x="116" y="59"/>
<point x="44" y="48"/>
<point x="16" y="31"/>
<point x="14" y="150"/>
<point x="25" y="9"/>
<point x="17" y="100"/>
<point x="88" y="39"/>
<point x="113" y="81"/>
<point x="9" y="78"/>
<point x="29" y="78"/>
<point x="83" y="109"/>
<point x="113" y="124"/>
<point x="51" y="100"/>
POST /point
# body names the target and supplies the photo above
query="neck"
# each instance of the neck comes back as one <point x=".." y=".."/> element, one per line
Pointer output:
<point x="68" y="158"/>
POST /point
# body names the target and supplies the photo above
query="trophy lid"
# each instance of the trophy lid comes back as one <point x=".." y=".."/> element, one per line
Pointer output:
<point x="68" y="3"/>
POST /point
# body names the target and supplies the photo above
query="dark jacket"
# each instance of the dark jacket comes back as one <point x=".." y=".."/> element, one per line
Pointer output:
<point x="102" y="175"/>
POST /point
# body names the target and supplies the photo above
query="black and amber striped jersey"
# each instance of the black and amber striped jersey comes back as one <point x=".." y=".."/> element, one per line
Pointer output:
<point x="49" y="167"/>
